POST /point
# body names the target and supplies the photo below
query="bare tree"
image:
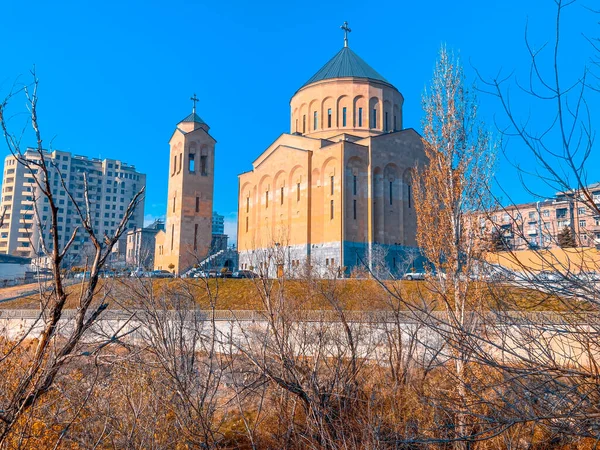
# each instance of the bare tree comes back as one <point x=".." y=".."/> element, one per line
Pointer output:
<point x="52" y="353"/>
<point x="448" y="191"/>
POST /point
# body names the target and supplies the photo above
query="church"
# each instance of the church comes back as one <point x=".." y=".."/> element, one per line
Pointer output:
<point x="333" y="194"/>
<point x="186" y="239"/>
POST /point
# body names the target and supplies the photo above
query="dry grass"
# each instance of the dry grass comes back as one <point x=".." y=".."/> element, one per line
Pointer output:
<point x="244" y="294"/>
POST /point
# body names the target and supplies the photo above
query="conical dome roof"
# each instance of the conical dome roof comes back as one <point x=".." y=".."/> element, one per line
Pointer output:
<point x="346" y="64"/>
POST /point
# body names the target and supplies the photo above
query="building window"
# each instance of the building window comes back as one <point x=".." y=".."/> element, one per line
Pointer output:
<point x="374" y="119"/>
<point x="344" y="116"/>
<point x="332" y="183"/>
<point x="197" y="204"/>
<point x="174" y="166"/>
<point x="391" y="192"/>
<point x="331" y="209"/>
<point x="191" y="163"/>
<point x="329" y="118"/>
<point x="409" y="195"/>
<point x="174" y="203"/>
<point x="172" y="235"/>
<point x="180" y="162"/>
<point x="267" y="199"/>
<point x="394" y="122"/>
<point x="360" y="117"/>
<point x="297" y="192"/>
<point x="354" y="185"/>
<point x="304" y="124"/>
<point x="281" y="195"/>
<point x="203" y="165"/>
<point x="246" y="224"/>
<point x="581" y="211"/>
<point x="247" y="204"/>
<point x="386" y="121"/>
<point x="354" y="208"/>
<point x="582" y="223"/>
<point x="315" y="120"/>
<point x="195" y="237"/>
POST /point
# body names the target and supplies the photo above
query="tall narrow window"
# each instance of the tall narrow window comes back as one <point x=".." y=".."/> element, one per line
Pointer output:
<point x="332" y="183"/>
<point x="172" y="235"/>
<point x="174" y="203"/>
<point x="191" y="162"/>
<point x="298" y="192"/>
<point x="374" y="121"/>
<point x="329" y="118"/>
<point x="304" y="124"/>
<point x="391" y="192"/>
<point x="354" y="185"/>
<point x="354" y="208"/>
<point x="386" y="121"/>
<point x="344" y="116"/>
<point x="360" y="117"/>
<point x="174" y="164"/>
<point x="281" y="195"/>
<point x="180" y="162"/>
<point x="197" y="204"/>
<point x="394" y="122"/>
<point x="247" y="204"/>
<point x="203" y="164"/>
<point x="315" y="121"/>
<point x="246" y="224"/>
<point x="195" y="237"/>
<point x="331" y="209"/>
<point x="267" y="199"/>
<point x="409" y="195"/>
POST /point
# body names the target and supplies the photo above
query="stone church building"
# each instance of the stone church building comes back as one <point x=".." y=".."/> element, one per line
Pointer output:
<point x="186" y="239"/>
<point x="334" y="192"/>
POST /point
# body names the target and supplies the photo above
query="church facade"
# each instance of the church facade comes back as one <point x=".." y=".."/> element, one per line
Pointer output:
<point x="335" y="192"/>
<point x="186" y="239"/>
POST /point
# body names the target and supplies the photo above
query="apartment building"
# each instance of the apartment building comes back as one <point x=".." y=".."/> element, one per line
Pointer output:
<point x="111" y="186"/>
<point x="538" y="224"/>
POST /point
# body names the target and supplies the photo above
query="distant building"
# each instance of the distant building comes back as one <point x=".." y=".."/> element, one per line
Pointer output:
<point x="538" y="224"/>
<point x="218" y="223"/>
<point x="141" y="243"/>
<point x="111" y="186"/>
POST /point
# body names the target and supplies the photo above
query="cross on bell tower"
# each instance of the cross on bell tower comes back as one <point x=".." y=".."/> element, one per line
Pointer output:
<point x="194" y="99"/>
<point x="347" y="30"/>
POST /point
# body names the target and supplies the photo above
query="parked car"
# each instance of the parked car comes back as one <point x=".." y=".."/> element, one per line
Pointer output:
<point x="410" y="276"/>
<point x="547" y="275"/>
<point x="244" y="274"/>
<point x="82" y="276"/>
<point x="161" y="274"/>
<point x="588" y="277"/>
<point x="200" y="274"/>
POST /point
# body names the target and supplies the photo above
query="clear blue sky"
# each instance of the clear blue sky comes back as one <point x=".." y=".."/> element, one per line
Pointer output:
<point x="116" y="76"/>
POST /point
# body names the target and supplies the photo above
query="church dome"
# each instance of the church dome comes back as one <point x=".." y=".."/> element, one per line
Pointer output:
<point x="346" y="96"/>
<point x="346" y="64"/>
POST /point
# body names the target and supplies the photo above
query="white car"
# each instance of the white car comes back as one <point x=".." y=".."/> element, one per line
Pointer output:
<point x="410" y="276"/>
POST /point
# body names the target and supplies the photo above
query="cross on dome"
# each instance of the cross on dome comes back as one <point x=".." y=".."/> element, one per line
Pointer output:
<point x="194" y="99"/>
<point x="347" y="30"/>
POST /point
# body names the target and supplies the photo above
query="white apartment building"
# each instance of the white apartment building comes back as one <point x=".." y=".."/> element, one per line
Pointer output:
<point x="111" y="186"/>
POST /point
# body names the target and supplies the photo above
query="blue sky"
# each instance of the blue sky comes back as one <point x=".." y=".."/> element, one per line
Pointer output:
<point x="116" y="76"/>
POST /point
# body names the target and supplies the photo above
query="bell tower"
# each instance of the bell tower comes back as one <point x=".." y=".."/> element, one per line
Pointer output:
<point x="188" y="227"/>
